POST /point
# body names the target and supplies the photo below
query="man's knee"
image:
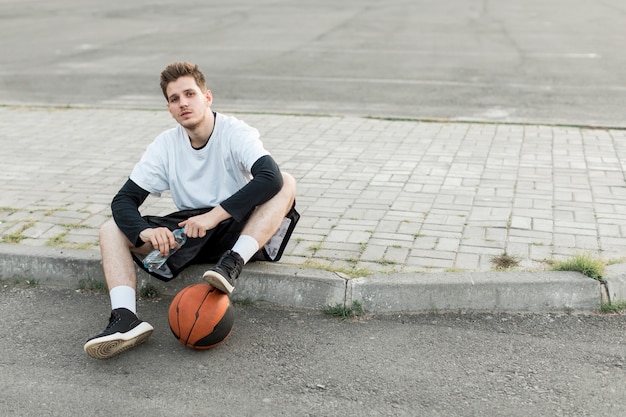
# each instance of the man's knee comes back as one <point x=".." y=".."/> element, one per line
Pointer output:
<point x="289" y="183"/>
<point x="107" y="228"/>
<point x="109" y="231"/>
<point x="112" y="236"/>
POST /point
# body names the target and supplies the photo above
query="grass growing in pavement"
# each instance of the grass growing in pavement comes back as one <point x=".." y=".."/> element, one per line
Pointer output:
<point x="615" y="308"/>
<point x="350" y="272"/>
<point x="92" y="285"/>
<point x="19" y="282"/>
<point x="344" y="312"/>
<point x="504" y="261"/>
<point x="9" y="210"/>
<point x="149" y="292"/>
<point x="60" y="241"/>
<point x="17" y="236"/>
<point x="583" y="263"/>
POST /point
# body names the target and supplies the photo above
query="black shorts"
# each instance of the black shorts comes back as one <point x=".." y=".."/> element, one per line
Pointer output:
<point x="212" y="246"/>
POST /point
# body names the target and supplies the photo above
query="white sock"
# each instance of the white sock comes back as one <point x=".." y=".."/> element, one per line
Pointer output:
<point x="246" y="246"/>
<point x="123" y="296"/>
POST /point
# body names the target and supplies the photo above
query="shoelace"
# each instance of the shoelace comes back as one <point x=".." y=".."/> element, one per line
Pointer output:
<point x="230" y="264"/>
<point x="114" y="319"/>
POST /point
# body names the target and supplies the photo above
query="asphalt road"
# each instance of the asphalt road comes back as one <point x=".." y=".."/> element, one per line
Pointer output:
<point x="281" y="362"/>
<point x="522" y="61"/>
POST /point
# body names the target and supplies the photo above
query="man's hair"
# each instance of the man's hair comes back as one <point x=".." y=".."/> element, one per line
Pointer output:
<point x="175" y="70"/>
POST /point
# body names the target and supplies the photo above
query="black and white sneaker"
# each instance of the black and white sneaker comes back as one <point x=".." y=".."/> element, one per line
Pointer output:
<point x="223" y="275"/>
<point x="124" y="331"/>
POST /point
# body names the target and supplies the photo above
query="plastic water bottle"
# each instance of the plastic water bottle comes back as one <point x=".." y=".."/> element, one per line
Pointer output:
<point x="154" y="260"/>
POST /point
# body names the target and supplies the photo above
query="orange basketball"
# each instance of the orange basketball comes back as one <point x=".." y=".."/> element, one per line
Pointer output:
<point x="201" y="317"/>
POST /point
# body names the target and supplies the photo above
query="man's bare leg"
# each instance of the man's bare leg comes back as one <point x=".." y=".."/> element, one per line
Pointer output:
<point x="125" y="330"/>
<point x="261" y="226"/>
<point x="117" y="261"/>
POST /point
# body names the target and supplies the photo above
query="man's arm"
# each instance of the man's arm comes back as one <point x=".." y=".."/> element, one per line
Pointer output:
<point x="125" y="208"/>
<point x="266" y="183"/>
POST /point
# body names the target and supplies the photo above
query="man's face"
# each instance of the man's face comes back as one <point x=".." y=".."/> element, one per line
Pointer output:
<point x="187" y="103"/>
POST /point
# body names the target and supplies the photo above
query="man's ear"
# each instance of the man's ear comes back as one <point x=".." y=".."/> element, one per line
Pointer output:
<point x="209" y="96"/>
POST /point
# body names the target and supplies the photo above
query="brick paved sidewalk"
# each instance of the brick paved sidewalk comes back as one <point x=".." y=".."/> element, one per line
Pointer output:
<point x="375" y="195"/>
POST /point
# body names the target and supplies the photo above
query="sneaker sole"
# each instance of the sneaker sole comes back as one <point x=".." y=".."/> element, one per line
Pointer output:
<point x="108" y="346"/>
<point x="218" y="282"/>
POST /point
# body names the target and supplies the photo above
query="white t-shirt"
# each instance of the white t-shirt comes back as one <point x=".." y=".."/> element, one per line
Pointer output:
<point x="205" y="177"/>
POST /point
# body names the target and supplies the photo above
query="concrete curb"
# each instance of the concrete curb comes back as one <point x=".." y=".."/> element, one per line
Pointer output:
<point x="479" y="291"/>
<point x="292" y="286"/>
<point x="615" y="283"/>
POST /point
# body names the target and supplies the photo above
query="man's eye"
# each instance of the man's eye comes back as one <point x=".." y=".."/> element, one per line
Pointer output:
<point x="173" y="99"/>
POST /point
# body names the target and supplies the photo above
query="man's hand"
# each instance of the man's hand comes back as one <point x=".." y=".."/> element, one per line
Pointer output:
<point x="161" y="238"/>
<point x="197" y="226"/>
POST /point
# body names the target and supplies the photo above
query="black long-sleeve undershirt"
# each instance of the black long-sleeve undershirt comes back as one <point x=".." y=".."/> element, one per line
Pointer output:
<point x="125" y="209"/>
<point x="266" y="182"/>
